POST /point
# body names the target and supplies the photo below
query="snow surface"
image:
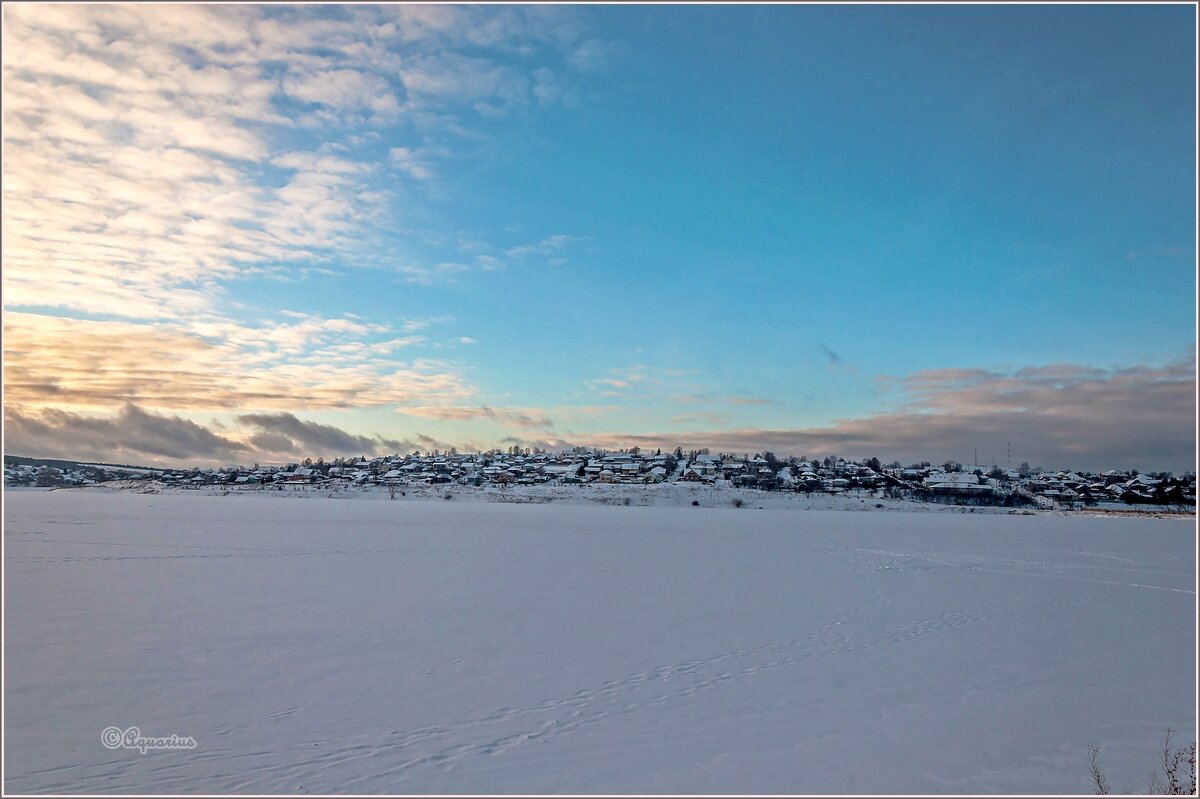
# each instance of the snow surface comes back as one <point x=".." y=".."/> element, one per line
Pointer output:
<point x="424" y="646"/>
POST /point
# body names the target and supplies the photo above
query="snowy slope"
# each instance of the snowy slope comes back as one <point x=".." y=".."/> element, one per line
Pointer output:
<point x="316" y="645"/>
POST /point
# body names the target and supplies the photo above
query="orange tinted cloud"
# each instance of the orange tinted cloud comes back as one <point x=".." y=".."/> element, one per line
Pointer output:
<point x="70" y="363"/>
<point x="1059" y="416"/>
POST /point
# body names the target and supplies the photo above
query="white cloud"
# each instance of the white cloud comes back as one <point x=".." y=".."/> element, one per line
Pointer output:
<point x="592" y="55"/>
<point x="135" y="137"/>
<point x="463" y="78"/>
<point x="525" y="418"/>
<point x="406" y="161"/>
<point x="343" y="89"/>
<point x="546" y="247"/>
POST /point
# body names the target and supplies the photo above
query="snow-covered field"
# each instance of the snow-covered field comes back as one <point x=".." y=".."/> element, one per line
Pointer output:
<point x="310" y="644"/>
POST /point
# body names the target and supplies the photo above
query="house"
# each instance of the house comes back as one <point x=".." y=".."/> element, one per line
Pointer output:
<point x="1142" y="483"/>
<point x="808" y="481"/>
<point x="958" y="484"/>
<point x="1136" y="497"/>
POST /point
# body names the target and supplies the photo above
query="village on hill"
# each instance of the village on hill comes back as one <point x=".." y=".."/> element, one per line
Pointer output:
<point x="950" y="482"/>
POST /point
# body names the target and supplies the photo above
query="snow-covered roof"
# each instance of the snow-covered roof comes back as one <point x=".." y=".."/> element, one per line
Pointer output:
<point x="952" y="478"/>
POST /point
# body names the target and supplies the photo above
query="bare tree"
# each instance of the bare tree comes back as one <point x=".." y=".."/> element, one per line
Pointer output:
<point x="1178" y="776"/>
<point x="1174" y="762"/>
<point x="1098" y="778"/>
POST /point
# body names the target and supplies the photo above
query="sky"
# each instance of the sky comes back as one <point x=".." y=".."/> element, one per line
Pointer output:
<point x="237" y="234"/>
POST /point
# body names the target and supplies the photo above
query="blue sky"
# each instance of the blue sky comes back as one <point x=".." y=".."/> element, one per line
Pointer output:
<point x="891" y="230"/>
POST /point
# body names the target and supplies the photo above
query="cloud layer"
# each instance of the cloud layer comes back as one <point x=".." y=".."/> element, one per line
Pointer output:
<point x="154" y="152"/>
<point x="309" y="362"/>
<point x="1055" y="416"/>
<point x="283" y="432"/>
<point x="136" y="436"/>
<point x="130" y="436"/>
<point x="1058" y="416"/>
<point x="155" y="156"/>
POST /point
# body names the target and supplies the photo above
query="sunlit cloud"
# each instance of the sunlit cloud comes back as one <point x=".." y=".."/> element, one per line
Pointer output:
<point x="646" y="383"/>
<point x="69" y="363"/>
<point x="136" y="137"/>
<point x="618" y="381"/>
<point x="1057" y="416"/>
<point x="406" y="161"/>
